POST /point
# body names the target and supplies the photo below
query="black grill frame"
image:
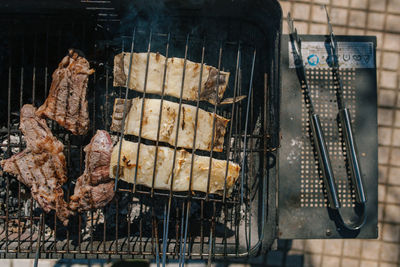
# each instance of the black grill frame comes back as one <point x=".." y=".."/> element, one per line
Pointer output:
<point x="101" y="40"/>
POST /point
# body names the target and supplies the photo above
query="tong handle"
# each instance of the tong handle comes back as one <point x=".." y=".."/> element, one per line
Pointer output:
<point x="351" y="151"/>
<point x="324" y="161"/>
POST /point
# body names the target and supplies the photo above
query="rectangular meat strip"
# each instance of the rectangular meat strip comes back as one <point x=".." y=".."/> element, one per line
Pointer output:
<point x="164" y="170"/>
<point x="173" y="80"/>
<point x="169" y="123"/>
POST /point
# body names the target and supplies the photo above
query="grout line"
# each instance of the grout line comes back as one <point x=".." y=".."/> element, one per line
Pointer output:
<point x="342" y="254"/>
<point x="348" y="18"/>
<point x="368" y="11"/>
<point x="347" y="7"/>
<point x="391" y="142"/>
<point x="310" y="17"/>
<point x="346" y="26"/>
<point x="350" y="257"/>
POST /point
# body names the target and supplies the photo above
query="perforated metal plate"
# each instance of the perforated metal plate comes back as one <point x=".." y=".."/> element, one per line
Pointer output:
<point x="303" y="206"/>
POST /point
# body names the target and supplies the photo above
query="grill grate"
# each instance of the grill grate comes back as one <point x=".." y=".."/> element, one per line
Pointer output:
<point x="142" y="222"/>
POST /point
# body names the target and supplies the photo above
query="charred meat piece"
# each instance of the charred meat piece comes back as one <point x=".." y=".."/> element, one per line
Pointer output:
<point x="41" y="166"/>
<point x="94" y="188"/>
<point x="67" y="103"/>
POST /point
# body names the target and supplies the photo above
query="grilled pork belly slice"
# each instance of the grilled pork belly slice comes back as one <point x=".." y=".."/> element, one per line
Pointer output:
<point x="94" y="188"/>
<point x="173" y="82"/>
<point x="41" y="166"/>
<point x="165" y="158"/>
<point x="169" y="122"/>
<point x="67" y="103"/>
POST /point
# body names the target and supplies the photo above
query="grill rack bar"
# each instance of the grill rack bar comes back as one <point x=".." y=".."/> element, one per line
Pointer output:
<point x="182" y="255"/>
<point x="165" y="233"/>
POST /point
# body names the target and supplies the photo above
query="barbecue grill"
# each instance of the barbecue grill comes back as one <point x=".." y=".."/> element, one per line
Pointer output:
<point x="239" y="37"/>
<point x="242" y="37"/>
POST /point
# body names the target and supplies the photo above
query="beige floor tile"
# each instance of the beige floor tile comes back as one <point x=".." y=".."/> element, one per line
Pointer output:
<point x="318" y="14"/>
<point x="390" y="232"/>
<point x="383" y="173"/>
<point x="339" y="15"/>
<point x="353" y="31"/>
<point x="314" y="245"/>
<point x="298" y="244"/>
<point x="383" y="155"/>
<point x="388" y="79"/>
<point x="395" y="157"/>
<point x="302" y="27"/>
<point x="348" y="262"/>
<point x="385" y="264"/>
<point x="397" y="119"/>
<point x="381" y="193"/>
<point x="384" y="135"/>
<point x="6" y="262"/>
<point x="377" y="5"/>
<point x="385" y="117"/>
<point x="392" y="23"/>
<point x="326" y="2"/>
<point x="369" y="264"/>
<point x="301" y="11"/>
<point x="352" y="248"/>
<point x="357" y="18"/>
<point x="344" y="3"/>
<point x="285" y="28"/>
<point x="376" y="21"/>
<point x="396" y="137"/>
<point x="51" y="263"/>
<point x="390" y="252"/>
<point x="330" y="261"/>
<point x="387" y="98"/>
<point x="340" y="30"/>
<point x="394" y="5"/>
<point x="393" y="195"/>
<point x="390" y="60"/>
<point x="392" y="213"/>
<point x="370" y="249"/>
<point x="381" y="208"/>
<point x="285" y="8"/>
<point x="318" y="29"/>
<point x="391" y="42"/>
<point x="361" y="4"/>
<point x="379" y="41"/>
<point x="333" y="247"/>
<point x="312" y="260"/>
<point x="22" y="262"/>
<point x="394" y="176"/>
<point x="379" y="231"/>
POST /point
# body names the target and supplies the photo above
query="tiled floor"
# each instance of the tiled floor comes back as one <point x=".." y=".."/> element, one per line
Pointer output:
<point x="382" y="19"/>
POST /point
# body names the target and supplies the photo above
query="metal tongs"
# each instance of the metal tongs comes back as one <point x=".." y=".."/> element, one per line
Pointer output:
<point x="318" y="135"/>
